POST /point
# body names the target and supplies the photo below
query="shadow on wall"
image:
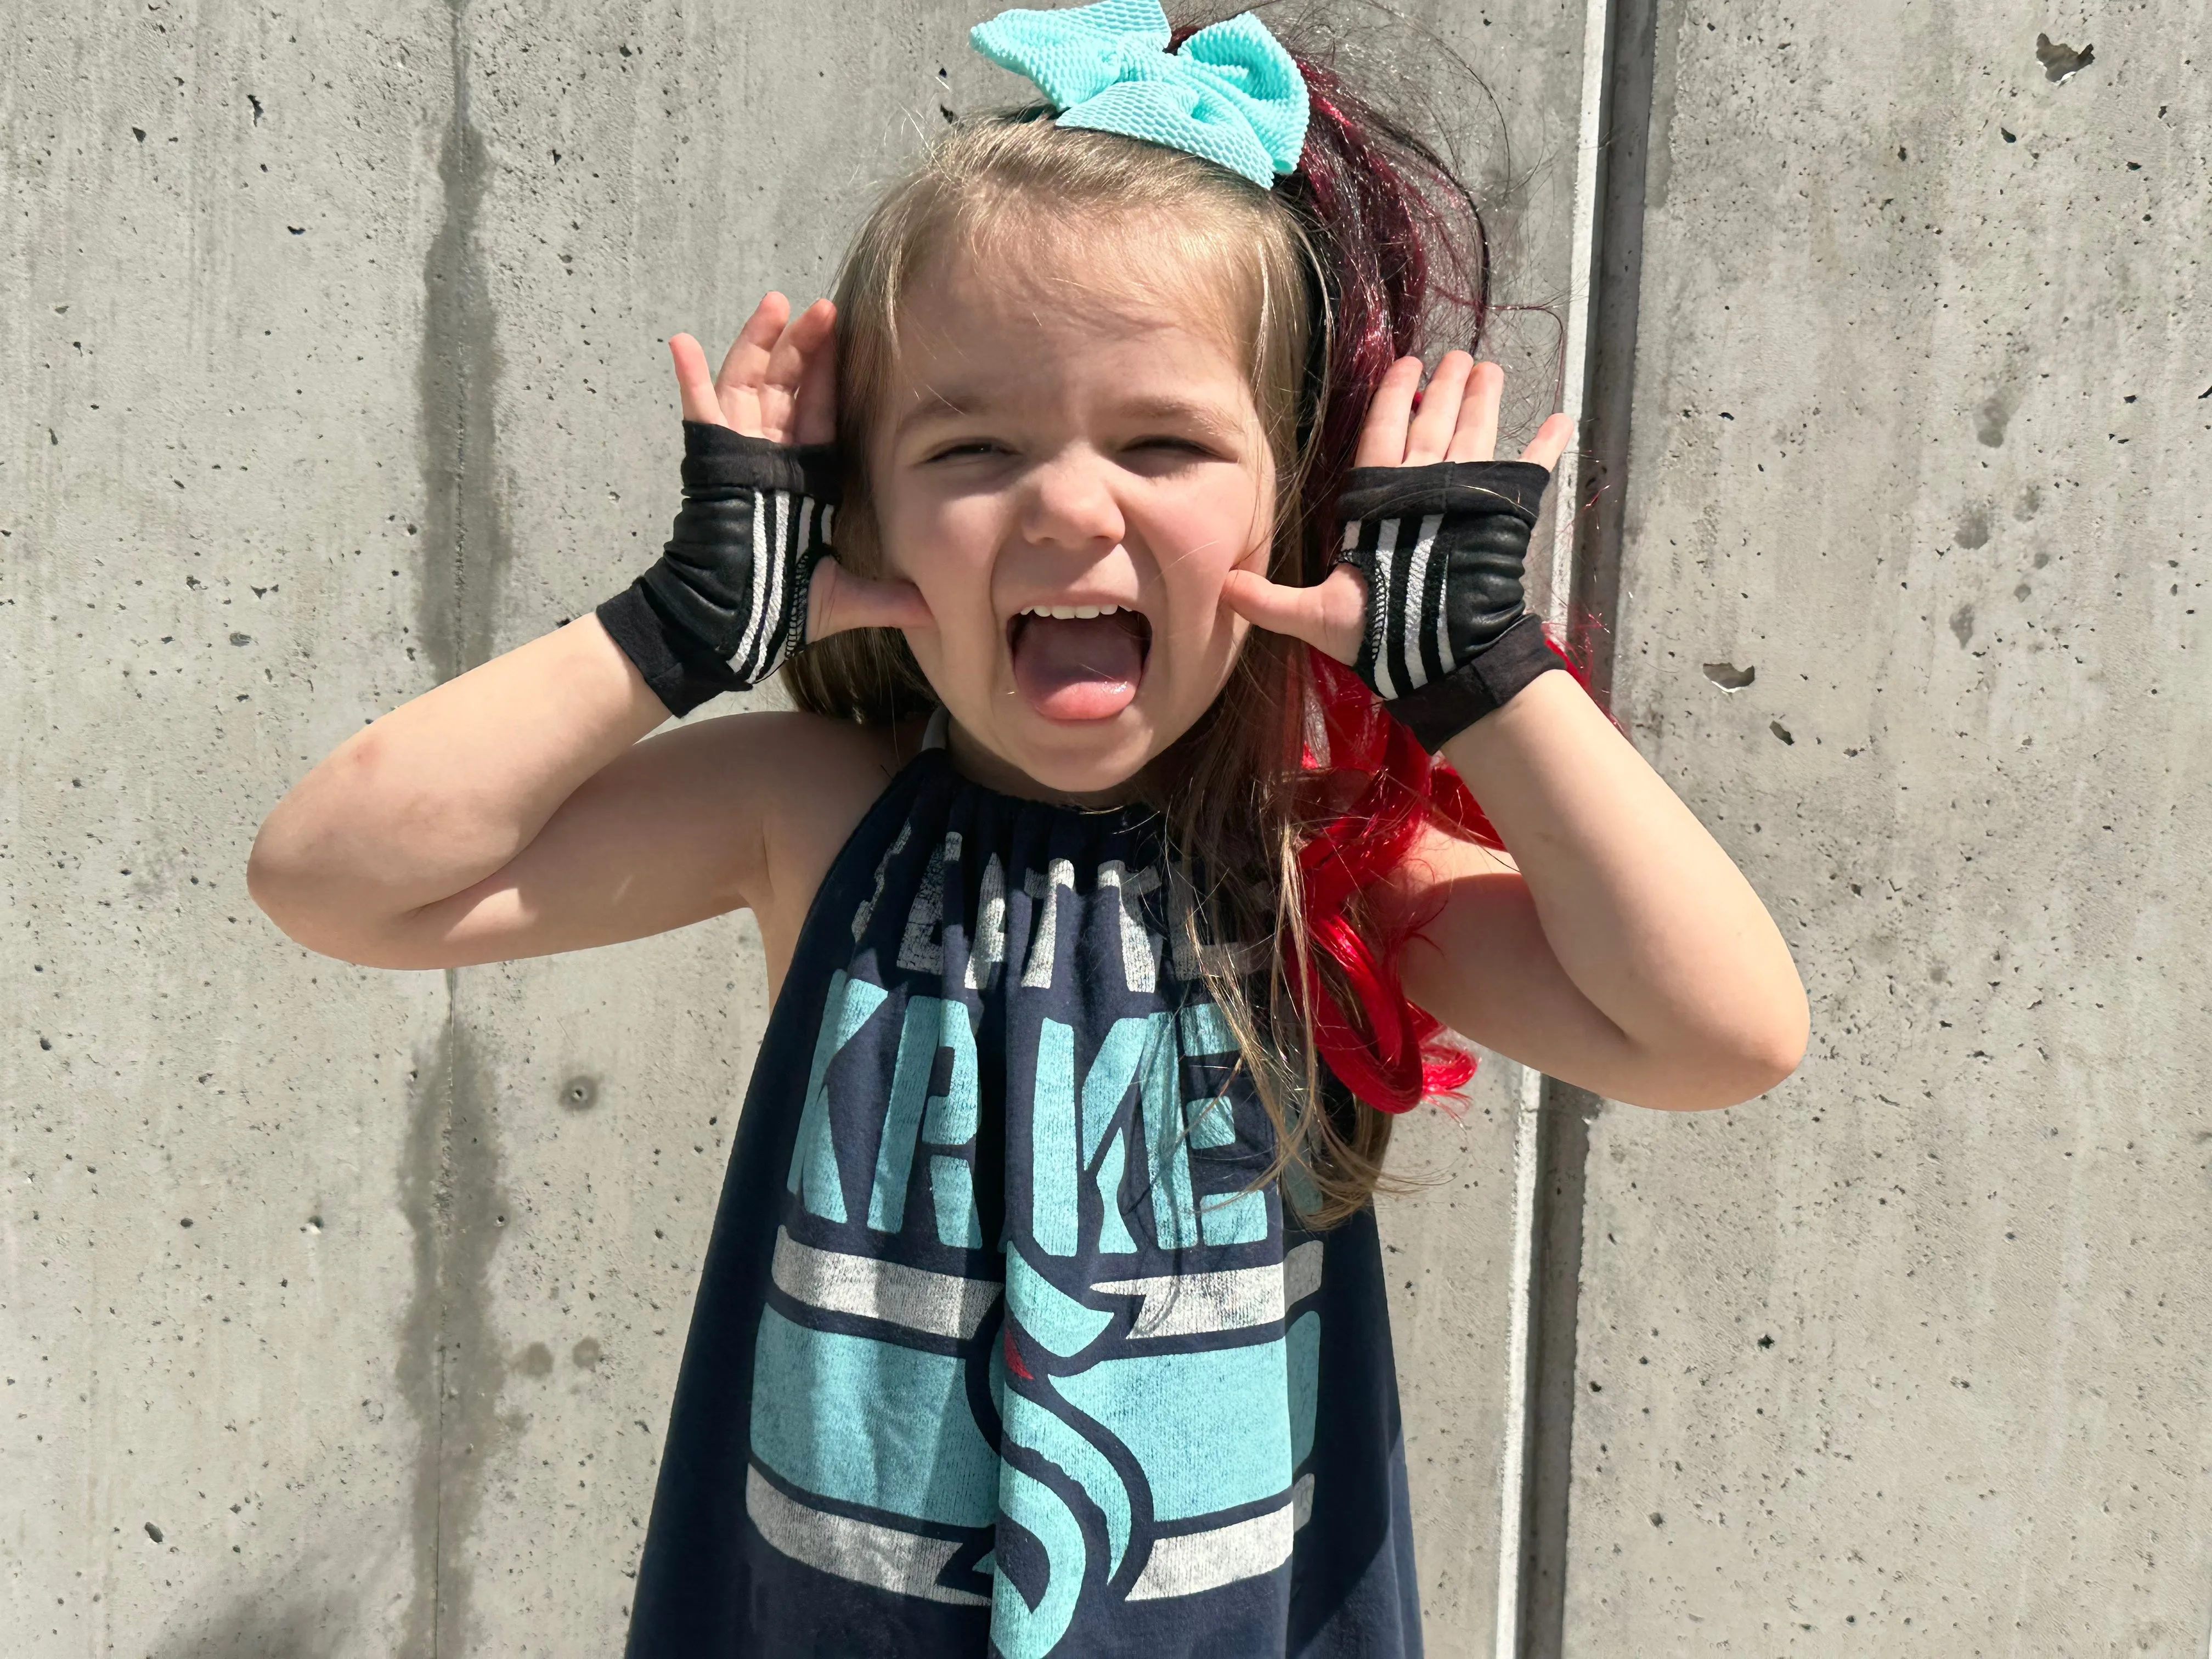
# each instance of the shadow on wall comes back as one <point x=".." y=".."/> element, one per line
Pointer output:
<point x="311" y="1609"/>
<point x="251" y="1628"/>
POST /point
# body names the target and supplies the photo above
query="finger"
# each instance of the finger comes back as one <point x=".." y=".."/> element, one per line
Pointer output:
<point x="1431" y="431"/>
<point x="817" y="384"/>
<point x="803" y="340"/>
<point x="839" y="601"/>
<point x="1549" y="442"/>
<point x="693" y="383"/>
<point x="1475" y="436"/>
<point x="738" y="385"/>
<point x="1327" y="615"/>
<point x="1382" y="438"/>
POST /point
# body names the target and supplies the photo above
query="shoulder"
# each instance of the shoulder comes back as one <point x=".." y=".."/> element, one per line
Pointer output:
<point x="803" y="782"/>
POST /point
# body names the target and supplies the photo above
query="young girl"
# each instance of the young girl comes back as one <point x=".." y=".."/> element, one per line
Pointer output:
<point x="1112" y="915"/>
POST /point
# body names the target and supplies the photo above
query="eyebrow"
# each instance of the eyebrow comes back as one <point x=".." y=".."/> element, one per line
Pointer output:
<point x="961" y="403"/>
<point x="935" y="406"/>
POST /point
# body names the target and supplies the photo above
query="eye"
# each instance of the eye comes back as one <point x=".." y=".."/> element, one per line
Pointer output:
<point x="1170" y="444"/>
<point x="965" y="449"/>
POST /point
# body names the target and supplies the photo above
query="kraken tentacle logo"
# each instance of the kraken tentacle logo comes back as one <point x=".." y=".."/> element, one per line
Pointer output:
<point x="1113" y="1402"/>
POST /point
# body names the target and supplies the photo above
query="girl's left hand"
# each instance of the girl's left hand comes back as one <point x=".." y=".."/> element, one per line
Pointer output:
<point x="1454" y="418"/>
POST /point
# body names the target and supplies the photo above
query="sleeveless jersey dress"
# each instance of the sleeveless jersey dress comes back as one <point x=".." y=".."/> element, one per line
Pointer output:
<point x="997" y="1350"/>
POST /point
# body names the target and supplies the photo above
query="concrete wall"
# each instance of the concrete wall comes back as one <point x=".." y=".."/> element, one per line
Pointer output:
<point x="1910" y="1358"/>
<point x="339" y="1309"/>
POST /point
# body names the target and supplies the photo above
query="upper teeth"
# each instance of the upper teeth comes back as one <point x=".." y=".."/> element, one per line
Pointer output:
<point x="1070" y="612"/>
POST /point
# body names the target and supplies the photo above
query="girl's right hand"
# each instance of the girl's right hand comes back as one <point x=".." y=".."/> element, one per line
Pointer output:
<point x="779" y="382"/>
<point x="514" y="812"/>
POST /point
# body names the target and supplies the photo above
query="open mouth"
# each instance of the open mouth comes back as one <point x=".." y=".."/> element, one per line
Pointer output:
<point x="1079" y="662"/>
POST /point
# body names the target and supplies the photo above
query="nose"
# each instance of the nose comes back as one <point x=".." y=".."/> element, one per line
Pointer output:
<point x="1068" y="501"/>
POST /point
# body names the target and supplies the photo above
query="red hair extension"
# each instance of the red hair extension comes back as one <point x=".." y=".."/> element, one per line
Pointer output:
<point x="1367" y="191"/>
<point x="1387" y="1049"/>
<point x="1402" y="255"/>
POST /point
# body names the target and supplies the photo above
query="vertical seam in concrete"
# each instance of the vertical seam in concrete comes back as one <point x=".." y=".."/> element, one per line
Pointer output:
<point x="1562" y="1153"/>
<point x="1523" y="1355"/>
<point x="1617" y="293"/>
<point x="419" y="1363"/>
<point x="436" y="1430"/>
<point x="1558" y="1146"/>
<point x="451" y="1369"/>
<point x="1574" y="367"/>
<point x="1513" y="1462"/>
<point x="457" y="375"/>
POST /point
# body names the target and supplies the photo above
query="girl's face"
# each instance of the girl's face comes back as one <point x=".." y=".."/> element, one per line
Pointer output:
<point x="1066" y="466"/>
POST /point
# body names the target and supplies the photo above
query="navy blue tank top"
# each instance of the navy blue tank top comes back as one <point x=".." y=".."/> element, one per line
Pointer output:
<point x="1001" y="1347"/>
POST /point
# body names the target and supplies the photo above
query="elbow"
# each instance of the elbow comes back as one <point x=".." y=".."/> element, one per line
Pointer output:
<point x="270" y="882"/>
<point x="1756" y="1069"/>
<point x="285" y="896"/>
<point x="1736" y="1065"/>
<point x="295" y="896"/>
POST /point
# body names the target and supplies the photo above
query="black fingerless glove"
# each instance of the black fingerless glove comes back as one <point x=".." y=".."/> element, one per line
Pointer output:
<point x="1443" y="548"/>
<point x="725" y="604"/>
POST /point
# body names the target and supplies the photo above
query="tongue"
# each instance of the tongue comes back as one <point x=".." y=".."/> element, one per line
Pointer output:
<point x="1077" y="670"/>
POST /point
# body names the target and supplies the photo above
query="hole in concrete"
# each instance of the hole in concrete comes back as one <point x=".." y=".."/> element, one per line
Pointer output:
<point x="580" y="1093"/>
<point x="1781" y="732"/>
<point x="1728" y="677"/>
<point x="2062" y="63"/>
<point x="153" y="1532"/>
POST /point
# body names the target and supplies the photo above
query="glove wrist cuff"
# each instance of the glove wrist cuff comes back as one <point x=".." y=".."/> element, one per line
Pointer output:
<point x="667" y="657"/>
<point x="1444" y="708"/>
<point x="718" y="459"/>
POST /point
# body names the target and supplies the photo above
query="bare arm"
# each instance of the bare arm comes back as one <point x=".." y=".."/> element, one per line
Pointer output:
<point x="367" y="855"/>
<point x="1627" y="954"/>
<point x="512" y="812"/>
<point x="1618" y="948"/>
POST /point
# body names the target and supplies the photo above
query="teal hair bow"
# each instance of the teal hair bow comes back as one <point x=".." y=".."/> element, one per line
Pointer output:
<point x="1230" y="94"/>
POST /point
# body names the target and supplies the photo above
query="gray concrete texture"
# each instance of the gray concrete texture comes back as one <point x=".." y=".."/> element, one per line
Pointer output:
<point x="339" y="1309"/>
<point x="1910" y="1358"/>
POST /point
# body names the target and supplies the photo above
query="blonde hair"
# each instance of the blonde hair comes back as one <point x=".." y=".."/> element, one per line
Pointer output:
<point x="1237" y="804"/>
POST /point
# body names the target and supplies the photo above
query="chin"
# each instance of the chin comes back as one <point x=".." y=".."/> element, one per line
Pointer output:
<point x="1076" y="759"/>
<point x="1085" y="757"/>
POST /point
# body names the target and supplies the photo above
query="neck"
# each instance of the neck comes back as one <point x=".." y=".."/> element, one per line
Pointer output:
<point x="994" y="771"/>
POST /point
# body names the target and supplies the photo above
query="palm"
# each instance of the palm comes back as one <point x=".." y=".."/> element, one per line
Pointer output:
<point x="1454" y="418"/>
<point x="779" y="380"/>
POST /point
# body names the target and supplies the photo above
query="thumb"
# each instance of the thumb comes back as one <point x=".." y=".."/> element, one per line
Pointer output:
<point x="1330" y="615"/>
<point x="838" y="601"/>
